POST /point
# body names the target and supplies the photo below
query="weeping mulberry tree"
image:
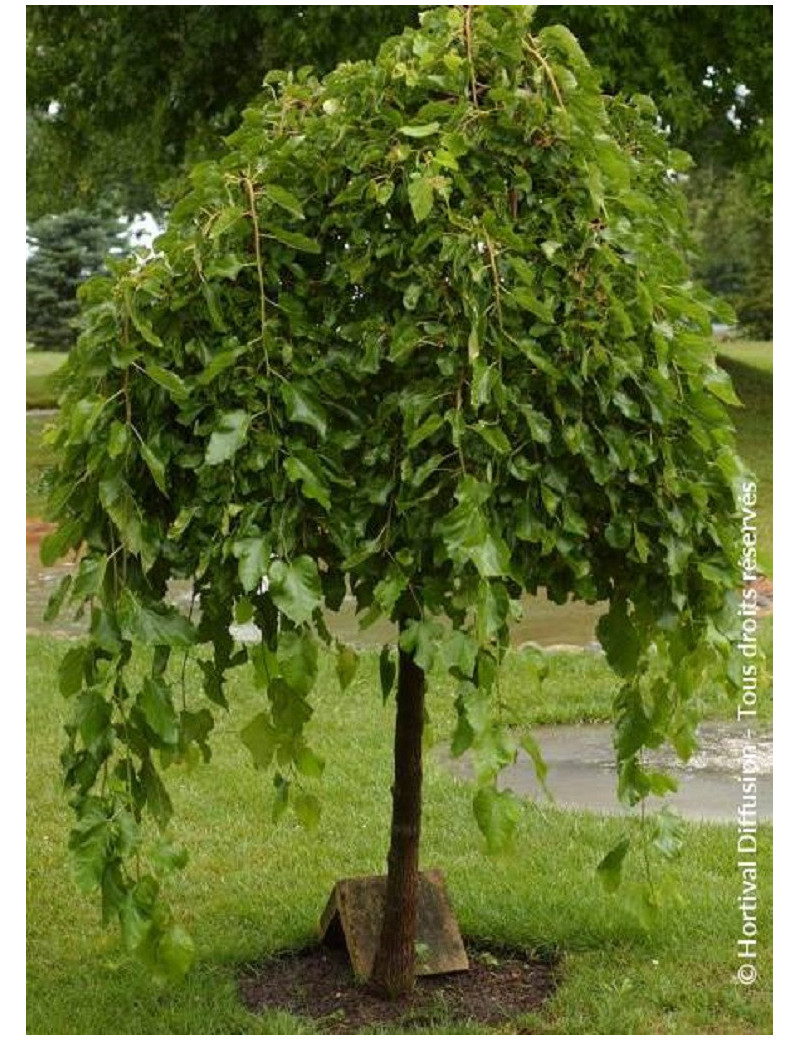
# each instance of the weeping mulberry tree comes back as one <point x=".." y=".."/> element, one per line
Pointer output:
<point x="424" y="332"/>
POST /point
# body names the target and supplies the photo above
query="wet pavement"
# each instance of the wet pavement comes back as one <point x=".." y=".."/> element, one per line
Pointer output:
<point x="582" y="772"/>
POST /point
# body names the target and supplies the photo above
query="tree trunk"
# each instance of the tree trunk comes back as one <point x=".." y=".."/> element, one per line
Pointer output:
<point x="393" y="970"/>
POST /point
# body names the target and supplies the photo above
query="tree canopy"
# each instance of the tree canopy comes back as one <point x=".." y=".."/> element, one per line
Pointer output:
<point x="424" y="331"/>
<point x="122" y="98"/>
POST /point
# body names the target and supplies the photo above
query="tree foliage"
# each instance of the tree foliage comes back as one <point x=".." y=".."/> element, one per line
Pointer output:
<point x="64" y="250"/>
<point x="734" y="243"/>
<point x="423" y="331"/>
<point x="143" y="90"/>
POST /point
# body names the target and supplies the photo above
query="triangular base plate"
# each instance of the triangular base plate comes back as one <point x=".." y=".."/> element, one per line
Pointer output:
<point x="354" y="915"/>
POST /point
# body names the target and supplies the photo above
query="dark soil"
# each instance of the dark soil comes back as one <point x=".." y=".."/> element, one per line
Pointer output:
<point x="317" y="983"/>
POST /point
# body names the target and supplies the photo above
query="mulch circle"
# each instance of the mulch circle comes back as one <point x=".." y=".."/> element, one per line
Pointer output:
<point x="317" y="983"/>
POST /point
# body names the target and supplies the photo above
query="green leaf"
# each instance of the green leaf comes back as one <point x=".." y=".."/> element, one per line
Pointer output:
<point x="176" y="953"/>
<point x="473" y="345"/>
<point x="71" y="671"/>
<point x="539" y="425"/>
<point x="467" y="532"/>
<point x="156" y="465"/>
<point x="719" y="383"/>
<point x="56" y="600"/>
<point x="213" y="683"/>
<point x="424" y="130"/>
<point x="171" y="382"/>
<point x="303" y="407"/>
<point x="260" y="739"/>
<point x="295" y="588"/>
<point x="618" y="532"/>
<point x="119" y="438"/>
<point x="641" y="901"/>
<point x="158" y="800"/>
<point x="490" y="555"/>
<point x="159" y="626"/>
<point x="493" y="608"/>
<point x="143" y="326"/>
<point x="494" y="437"/>
<point x="530" y="746"/>
<point x="283" y="198"/>
<point x="137" y="926"/>
<point x="525" y="298"/>
<point x="422" y="638"/>
<point x="311" y="481"/>
<point x="411" y="296"/>
<point x="253" y="555"/>
<point x="497" y="814"/>
<point x="619" y="639"/>
<point x="211" y="294"/>
<point x="430" y="426"/>
<point x="169" y="857"/>
<point x="220" y="362"/>
<point x="301" y="243"/>
<point x="307" y="809"/>
<point x="309" y="764"/>
<point x="661" y="783"/>
<point x="420" y="195"/>
<point x="155" y="702"/>
<point x="54" y="546"/>
<point x="89" y="843"/>
<point x="229" y="435"/>
<point x="89" y="579"/>
<point x="610" y="867"/>
<point x="346" y="665"/>
<point x="227" y="266"/>
<point x="458" y="653"/>
<point x="195" y="729"/>
<point x="668" y="834"/>
<point x="105" y="630"/>
<point x="265" y="665"/>
<point x="225" y="219"/>
<point x="114" y="892"/>
<point x="119" y="503"/>
<point x="297" y="660"/>
<point x="384" y="192"/>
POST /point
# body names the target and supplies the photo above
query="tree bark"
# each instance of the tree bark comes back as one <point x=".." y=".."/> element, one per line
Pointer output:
<point x="393" y="969"/>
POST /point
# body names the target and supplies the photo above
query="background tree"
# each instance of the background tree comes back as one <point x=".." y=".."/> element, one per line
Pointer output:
<point x="124" y="97"/>
<point x="424" y="330"/>
<point x="734" y="243"/>
<point x="63" y="251"/>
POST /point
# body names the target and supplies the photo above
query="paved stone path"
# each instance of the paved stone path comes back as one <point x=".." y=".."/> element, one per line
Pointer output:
<point x="582" y="772"/>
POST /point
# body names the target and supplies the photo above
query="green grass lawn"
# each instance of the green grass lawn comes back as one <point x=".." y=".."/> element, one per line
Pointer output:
<point x="253" y="888"/>
<point x="39" y="368"/>
<point x="580" y="687"/>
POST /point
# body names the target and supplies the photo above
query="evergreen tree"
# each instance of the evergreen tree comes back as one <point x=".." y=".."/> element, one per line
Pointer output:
<point x="64" y="250"/>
